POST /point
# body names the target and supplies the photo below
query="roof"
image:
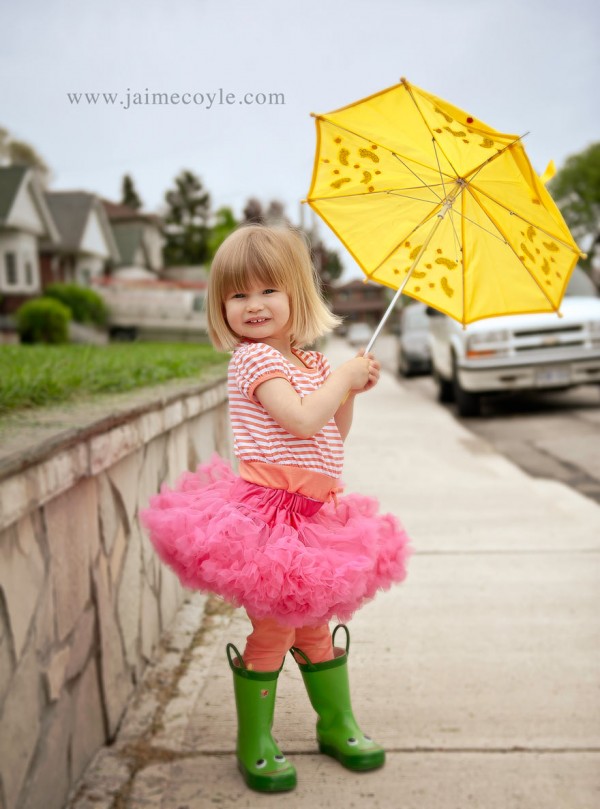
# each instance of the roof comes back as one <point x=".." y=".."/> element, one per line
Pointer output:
<point x="128" y="236"/>
<point x="11" y="178"/>
<point x="71" y="210"/>
<point x="357" y="283"/>
<point x="117" y="212"/>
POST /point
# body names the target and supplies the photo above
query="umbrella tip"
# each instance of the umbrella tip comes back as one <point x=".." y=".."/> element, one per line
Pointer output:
<point x="403" y="80"/>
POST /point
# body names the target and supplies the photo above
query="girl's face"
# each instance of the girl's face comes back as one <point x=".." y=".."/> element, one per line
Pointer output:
<point x="259" y="313"/>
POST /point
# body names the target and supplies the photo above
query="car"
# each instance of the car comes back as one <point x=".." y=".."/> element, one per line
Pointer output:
<point x="359" y="334"/>
<point x="518" y="352"/>
<point x="414" y="353"/>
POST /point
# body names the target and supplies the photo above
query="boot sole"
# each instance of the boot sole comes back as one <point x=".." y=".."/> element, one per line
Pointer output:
<point x="361" y="762"/>
<point x="267" y="783"/>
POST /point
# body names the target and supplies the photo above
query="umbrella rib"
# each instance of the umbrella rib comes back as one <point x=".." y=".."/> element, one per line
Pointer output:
<point x="414" y="100"/>
<point x="510" y="247"/>
<point x="429" y="187"/>
<point x="447" y="206"/>
<point x="498" y="154"/>
<point x="437" y="157"/>
<point x="388" y="191"/>
<point x="383" y="146"/>
<point x="456" y="239"/>
<point x="395" y="247"/>
<point x="417" y="199"/>
<point x="481" y="227"/>
<point x="522" y="218"/>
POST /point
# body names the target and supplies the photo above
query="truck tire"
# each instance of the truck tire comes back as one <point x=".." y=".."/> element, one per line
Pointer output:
<point x="445" y="388"/>
<point x="467" y="403"/>
<point x="404" y="367"/>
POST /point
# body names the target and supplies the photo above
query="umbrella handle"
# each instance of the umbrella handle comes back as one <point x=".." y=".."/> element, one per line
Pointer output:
<point x="388" y="312"/>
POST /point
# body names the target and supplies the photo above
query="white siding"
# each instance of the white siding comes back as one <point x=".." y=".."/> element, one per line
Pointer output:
<point x="23" y="246"/>
<point x="153" y="242"/>
<point x="93" y="241"/>
<point x="25" y="214"/>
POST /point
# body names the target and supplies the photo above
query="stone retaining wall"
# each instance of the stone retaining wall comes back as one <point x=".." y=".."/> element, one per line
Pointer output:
<point x="83" y="597"/>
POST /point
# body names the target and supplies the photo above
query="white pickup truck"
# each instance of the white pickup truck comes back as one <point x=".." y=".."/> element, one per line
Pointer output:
<point x="518" y="352"/>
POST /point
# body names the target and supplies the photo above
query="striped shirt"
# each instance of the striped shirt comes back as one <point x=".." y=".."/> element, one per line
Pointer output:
<point x="256" y="435"/>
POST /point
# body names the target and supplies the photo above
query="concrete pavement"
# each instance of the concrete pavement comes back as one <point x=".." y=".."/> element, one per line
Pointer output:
<point x="480" y="674"/>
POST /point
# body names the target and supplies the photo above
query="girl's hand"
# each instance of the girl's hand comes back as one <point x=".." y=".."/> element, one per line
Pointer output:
<point x="374" y="370"/>
<point x="357" y="371"/>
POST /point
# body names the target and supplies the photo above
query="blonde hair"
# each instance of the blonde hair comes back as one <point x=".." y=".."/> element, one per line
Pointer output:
<point x="276" y="257"/>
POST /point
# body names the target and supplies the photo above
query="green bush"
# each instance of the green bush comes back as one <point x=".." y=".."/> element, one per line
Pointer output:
<point x="85" y="304"/>
<point x="43" y="320"/>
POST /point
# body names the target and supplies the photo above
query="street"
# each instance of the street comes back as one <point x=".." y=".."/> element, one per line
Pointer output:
<point x="548" y="434"/>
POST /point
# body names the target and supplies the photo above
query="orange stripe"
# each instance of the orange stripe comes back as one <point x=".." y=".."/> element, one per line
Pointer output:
<point x="258" y="437"/>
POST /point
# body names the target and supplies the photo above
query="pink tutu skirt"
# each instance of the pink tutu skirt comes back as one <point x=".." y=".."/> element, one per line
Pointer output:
<point x="279" y="554"/>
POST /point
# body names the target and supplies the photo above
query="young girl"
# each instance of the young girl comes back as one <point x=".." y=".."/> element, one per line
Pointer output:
<point x="278" y="539"/>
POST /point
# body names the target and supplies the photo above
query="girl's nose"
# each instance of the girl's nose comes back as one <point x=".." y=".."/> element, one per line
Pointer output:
<point x="254" y="304"/>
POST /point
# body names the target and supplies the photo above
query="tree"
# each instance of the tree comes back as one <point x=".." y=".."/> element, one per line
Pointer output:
<point x="186" y="221"/>
<point x="225" y="223"/>
<point x="327" y="263"/>
<point x="129" y="195"/>
<point x="253" y="212"/>
<point x="19" y="153"/>
<point x="576" y="189"/>
<point x="275" y="215"/>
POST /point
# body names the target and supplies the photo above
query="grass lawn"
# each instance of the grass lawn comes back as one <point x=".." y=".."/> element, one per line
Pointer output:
<point x="36" y="375"/>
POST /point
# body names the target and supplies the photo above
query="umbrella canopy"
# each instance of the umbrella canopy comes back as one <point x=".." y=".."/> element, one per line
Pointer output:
<point x="433" y="202"/>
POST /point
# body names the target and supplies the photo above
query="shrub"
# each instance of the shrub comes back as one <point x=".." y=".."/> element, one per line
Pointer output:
<point x="43" y="320"/>
<point x="85" y="304"/>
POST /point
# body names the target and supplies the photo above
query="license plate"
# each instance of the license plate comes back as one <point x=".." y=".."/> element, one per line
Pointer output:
<point x="553" y="376"/>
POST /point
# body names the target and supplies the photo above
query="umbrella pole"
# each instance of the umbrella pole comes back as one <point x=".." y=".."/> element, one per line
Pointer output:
<point x="408" y="274"/>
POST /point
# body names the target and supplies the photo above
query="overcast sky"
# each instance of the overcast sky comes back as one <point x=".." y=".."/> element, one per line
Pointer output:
<point x="531" y="65"/>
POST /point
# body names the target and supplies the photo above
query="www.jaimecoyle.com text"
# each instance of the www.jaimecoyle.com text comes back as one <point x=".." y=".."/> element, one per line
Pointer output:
<point x="146" y="98"/>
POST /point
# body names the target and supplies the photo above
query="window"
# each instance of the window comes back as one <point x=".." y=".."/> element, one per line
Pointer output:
<point x="10" y="269"/>
<point x="28" y="273"/>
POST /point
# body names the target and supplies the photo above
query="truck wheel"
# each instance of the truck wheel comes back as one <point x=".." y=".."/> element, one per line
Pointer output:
<point x="445" y="389"/>
<point x="404" y="368"/>
<point x="467" y="403"/>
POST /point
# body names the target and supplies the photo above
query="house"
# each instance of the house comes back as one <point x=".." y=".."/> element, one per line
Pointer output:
<point x="87" y="244"/>
<point x="359" y="301"/>
<point x="25" y="219"/>
<point x="140" y="241"/>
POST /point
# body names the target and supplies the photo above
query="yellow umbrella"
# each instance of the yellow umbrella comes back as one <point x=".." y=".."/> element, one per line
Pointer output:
<point x="434" y="203"/>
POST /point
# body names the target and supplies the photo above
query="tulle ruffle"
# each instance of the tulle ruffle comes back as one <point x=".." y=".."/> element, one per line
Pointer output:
<point x="272" y="551"/>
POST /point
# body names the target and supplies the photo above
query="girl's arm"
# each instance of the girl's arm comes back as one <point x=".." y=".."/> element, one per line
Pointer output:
<point x="343" y="416"/>
<point x="305" y="416"/>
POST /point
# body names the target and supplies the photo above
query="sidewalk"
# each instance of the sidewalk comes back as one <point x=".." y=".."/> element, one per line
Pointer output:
<point x="480" y="674"/>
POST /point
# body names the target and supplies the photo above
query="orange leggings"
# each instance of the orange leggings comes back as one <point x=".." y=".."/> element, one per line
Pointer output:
<point x="269" y="642"/>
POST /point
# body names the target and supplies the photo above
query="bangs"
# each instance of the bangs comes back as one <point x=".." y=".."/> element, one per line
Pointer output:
<point x="252" y="264"/>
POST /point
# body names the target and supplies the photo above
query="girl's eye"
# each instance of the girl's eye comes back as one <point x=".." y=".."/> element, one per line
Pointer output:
<point x="268" y="291"/>
<point x="238" y="295"/>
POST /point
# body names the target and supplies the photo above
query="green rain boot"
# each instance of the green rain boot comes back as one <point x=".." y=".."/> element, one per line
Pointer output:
<point x="328" y="689"/>
<point x="260" y="760"/>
